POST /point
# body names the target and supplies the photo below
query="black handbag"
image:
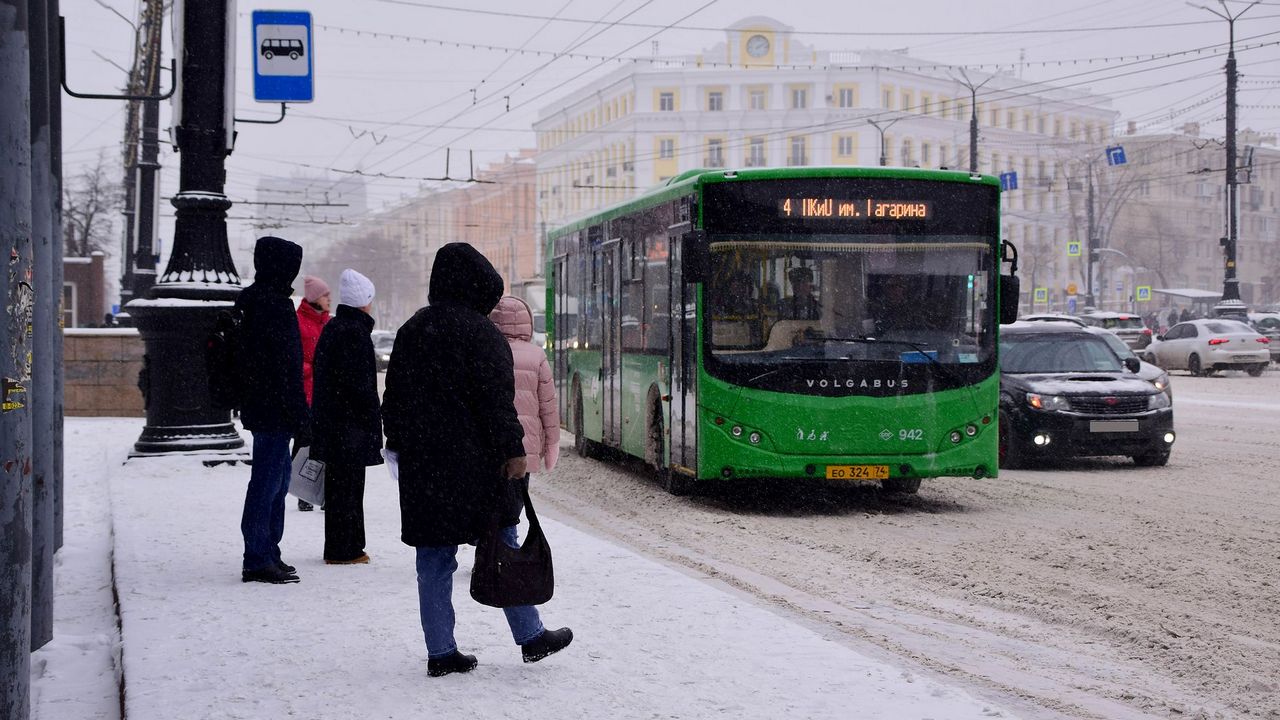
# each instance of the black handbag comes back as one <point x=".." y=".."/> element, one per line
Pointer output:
<point x="504" y="576"/>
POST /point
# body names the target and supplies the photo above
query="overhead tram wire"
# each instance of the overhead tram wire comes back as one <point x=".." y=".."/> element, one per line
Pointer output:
<point x="842" y="33"/>
<point x="520" y="81"/>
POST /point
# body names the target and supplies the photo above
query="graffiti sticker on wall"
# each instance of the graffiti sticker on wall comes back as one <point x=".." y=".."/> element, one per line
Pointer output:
<point x="15" y="393"/>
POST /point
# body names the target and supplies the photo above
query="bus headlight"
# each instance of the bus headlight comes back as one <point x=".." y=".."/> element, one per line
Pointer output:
<point x="754" y="438"/>
<point x="736" y="431"/>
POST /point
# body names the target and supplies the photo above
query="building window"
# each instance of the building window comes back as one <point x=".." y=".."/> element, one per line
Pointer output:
<point x="68" y="305"/>
<point x="715" y="101"/>
<point x="1010" y="120"/>
<point x="925" y="102"/>
<point x="844" y="146"/>
<point x="887" y="100"/>
<point x="755" y="153"/>
<point x="798" y="155"/>
<point x="844" y="97"/>
<point x="715" y="153"/>
<point x="799" y="98"/>
<point x="906" y="154"/>
<point x="666" y="101"/>
<point x="666" y="148"/>
<point x="756" y="100"/>
<point x="925" y="159"/>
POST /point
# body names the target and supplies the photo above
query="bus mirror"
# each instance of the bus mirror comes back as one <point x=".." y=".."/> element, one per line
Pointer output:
<point x="1010" y="290"/>
<point x="696" y="256"/>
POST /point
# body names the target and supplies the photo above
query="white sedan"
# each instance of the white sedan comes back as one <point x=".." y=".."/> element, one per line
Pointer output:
<point x="1202" y="347"/>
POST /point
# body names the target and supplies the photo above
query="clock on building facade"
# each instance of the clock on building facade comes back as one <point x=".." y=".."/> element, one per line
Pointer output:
<point x="757" y="46"/>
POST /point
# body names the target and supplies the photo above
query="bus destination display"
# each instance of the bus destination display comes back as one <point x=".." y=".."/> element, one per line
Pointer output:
<point x="821" y="208"/>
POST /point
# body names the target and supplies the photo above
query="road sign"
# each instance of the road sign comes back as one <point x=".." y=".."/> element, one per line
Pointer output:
<point x="1142" y="293"/>
<point x="1042" y="296"/>
<point x="1009" y="180"/>
<point x="1071" y="304"/>
<point x="283" y="56"/>
<point x="1071" y="288"/>
<point x="1115" y="155"/>
<point x="1073" y="248"/>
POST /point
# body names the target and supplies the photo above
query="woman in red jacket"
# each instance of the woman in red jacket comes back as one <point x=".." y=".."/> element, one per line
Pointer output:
<point x="313" y="313"/>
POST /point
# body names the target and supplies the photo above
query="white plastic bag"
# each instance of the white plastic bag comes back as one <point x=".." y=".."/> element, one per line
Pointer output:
<point x="307" y="482"/>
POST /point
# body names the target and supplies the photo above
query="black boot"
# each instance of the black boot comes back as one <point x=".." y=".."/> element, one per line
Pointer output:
<point x="548" y="643"/>
<point x="271" y="574"/>
<point x="285" y="567"/>
<point x="455" y="663"/>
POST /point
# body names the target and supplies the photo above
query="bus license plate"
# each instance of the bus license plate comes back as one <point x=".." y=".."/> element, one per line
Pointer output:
<point x="857" y="472"/>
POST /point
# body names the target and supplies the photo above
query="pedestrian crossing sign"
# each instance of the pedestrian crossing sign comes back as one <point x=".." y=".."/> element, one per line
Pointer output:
<point x="1073" y="248"/>
<point x="1042" y="296"/>
<point x="1142" y="293"/>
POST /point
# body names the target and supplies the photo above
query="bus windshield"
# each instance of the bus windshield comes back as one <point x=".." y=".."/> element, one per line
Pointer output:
<point x="781" y="299"/>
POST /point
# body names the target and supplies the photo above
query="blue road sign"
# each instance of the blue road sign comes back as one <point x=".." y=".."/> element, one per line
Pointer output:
<point x="1071" y="304"/>
<point x="1009" y="180"/>
<point x="1115" y="155"/>
<point x="283" y="56"/>
<point x="1073" y="248"/>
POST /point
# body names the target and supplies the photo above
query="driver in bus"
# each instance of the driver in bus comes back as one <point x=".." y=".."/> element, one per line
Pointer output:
<point x="802" y="303"/>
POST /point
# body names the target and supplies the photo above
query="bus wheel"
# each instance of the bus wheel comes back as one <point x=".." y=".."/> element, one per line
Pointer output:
<point x="908" y="486"/>
<point x="584" y="447"/>
<point x="656" y="453"/>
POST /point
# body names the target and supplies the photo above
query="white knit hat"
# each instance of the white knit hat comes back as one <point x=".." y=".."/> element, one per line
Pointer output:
<point x="354" y="289"/>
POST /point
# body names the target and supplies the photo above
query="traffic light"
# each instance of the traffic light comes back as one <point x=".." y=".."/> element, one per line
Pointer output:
<point x="1093" y="254"/>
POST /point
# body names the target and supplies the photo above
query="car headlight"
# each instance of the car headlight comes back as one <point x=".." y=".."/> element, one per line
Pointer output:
<point x="1157" y="401"/>
<point x="1162" y="382"/>
<point x="1047" y="402"/>
<point x="386" y="358"/>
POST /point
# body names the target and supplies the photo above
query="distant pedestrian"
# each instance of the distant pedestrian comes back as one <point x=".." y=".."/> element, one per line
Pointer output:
<point x="346" y="420"/>
<point x="535" y="398"/>
<point x="1185" y="315"/>
<point x="313" y="313"/>
<point x="274" y="407"/>
<point x="450" y="418"/>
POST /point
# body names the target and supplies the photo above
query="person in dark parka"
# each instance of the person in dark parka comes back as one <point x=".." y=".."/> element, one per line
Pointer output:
<point x="451" y="425"/>
<point x="274" y="406"/>
<point x="346" y="425"/>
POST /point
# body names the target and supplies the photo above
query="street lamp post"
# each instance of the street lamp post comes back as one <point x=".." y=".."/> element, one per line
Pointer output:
<point x="884" y="160"/>
<point x="973" y="117"/>
<point x="1231" y="302"/>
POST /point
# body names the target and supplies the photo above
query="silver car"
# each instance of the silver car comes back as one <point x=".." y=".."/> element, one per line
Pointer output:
<point x="1202" y="347"/>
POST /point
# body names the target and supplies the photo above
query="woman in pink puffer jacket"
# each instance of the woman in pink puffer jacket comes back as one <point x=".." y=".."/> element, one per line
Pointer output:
<point x="535" y="388"/>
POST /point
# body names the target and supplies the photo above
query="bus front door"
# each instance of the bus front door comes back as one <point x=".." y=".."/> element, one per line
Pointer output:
<point x="684" y="367"/>
<point x="611" y="353"/>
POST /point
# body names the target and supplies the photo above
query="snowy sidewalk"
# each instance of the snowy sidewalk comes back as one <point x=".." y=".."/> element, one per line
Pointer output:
<point x="650" y="641"/>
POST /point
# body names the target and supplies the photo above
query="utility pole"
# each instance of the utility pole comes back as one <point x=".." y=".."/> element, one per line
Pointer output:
<point x="200" y="279"/>
<point x="15" y="371"/>
<point x="1231" y="302"/>
<point x="973" y="117"/>
<point x="1091" y="252"/>
<point x="142" y="270"/>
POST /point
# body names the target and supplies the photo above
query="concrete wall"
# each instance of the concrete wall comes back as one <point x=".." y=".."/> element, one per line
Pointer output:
<point x="101" y="371"/>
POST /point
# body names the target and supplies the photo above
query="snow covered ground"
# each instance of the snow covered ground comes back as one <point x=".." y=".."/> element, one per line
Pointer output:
<point x="650" y="641"/>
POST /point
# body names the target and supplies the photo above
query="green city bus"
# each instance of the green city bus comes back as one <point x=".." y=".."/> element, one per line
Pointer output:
<point x="787" y="323"/>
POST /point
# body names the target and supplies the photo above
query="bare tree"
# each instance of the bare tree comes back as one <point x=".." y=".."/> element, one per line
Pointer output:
<point x="89" y="204"/>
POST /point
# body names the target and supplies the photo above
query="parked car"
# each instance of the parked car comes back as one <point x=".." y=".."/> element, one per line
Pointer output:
<point x="1127" y="326"/>
<point x="1268" y="325"/>
<point x="1153" y="374"/>
<point x="1065" y="393"/>
<point x="1053" y="317"/>
<point x="383" y="341"/>
<point x="1203" y="347"/>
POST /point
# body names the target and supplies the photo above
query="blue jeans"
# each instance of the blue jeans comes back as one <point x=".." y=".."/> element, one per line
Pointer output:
<point x="262" y="523"/>
<point x="435" y="599"/>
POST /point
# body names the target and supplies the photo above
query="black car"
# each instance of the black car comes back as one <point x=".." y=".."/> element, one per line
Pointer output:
<point x="382" y="344"/>
<point x="1064" y="393"/>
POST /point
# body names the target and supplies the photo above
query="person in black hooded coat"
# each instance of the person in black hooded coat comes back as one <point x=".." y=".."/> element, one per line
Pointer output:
<point x="274" y="405"/>
<point x="449" y="416"/>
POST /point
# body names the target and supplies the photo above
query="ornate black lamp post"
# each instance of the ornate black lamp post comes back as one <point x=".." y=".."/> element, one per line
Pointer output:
<point x="200" y="279"/>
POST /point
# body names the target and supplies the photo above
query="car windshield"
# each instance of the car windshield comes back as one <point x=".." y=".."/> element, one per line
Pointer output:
<point x="1117" y="345"/>
<point x="1053" y="353"/>
<point x="1228" y="326"/>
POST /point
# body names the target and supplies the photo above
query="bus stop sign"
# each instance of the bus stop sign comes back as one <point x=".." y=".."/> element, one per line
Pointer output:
<point x="283" y="56"/>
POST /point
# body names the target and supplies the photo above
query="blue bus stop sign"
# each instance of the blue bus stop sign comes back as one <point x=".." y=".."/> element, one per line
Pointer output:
<point x="283" y="56"/>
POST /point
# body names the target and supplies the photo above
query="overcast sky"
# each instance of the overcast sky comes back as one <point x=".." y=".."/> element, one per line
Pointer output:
<point x="391" y="103"/>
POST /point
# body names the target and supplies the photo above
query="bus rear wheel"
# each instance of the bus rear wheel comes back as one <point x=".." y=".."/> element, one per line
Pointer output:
<point x="581" y="445"/>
